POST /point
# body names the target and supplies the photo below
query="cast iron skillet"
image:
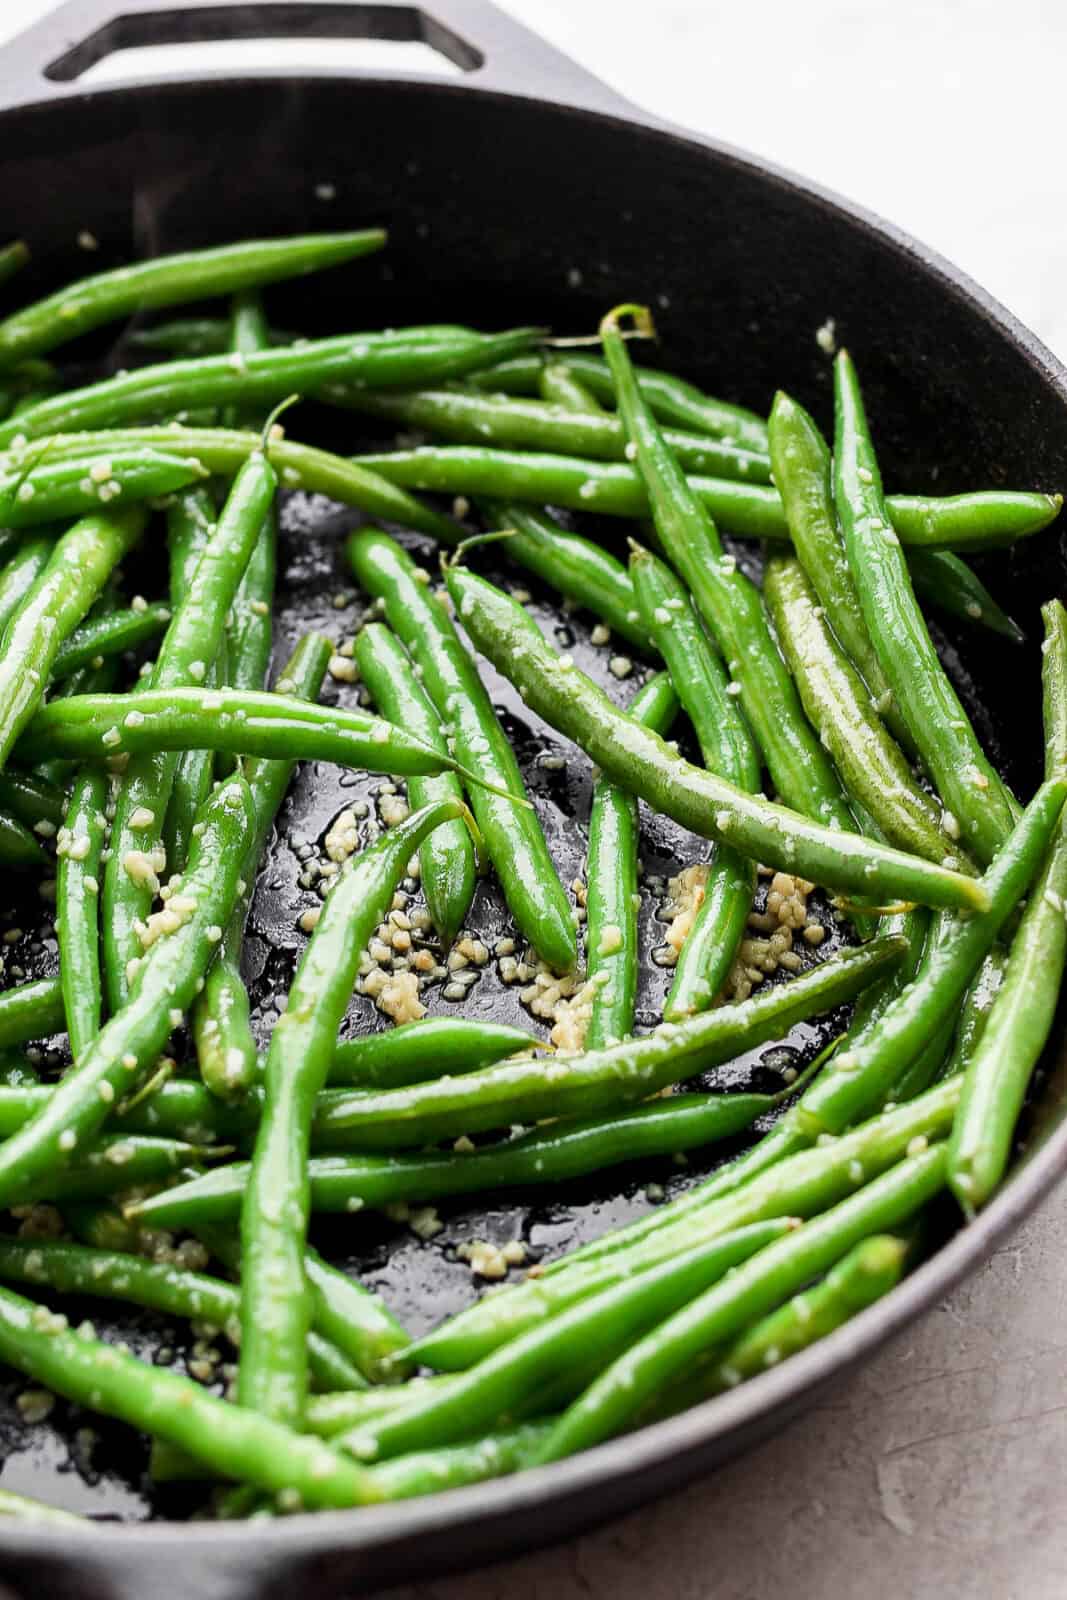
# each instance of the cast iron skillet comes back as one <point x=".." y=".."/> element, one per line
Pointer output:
<point x="524" y="189"/>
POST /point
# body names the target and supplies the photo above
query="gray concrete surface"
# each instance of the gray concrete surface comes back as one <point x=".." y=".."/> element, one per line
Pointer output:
<point x="941" y="1469"/>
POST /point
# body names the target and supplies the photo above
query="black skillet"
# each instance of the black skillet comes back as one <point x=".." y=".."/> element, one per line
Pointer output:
<point x="523" y="189"/>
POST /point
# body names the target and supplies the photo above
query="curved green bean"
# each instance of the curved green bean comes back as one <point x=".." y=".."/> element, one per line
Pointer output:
<point x="186" y="655"/>
<point x="1020" y="1018"/>
<point x="980" y="520"/>
<point x="262" y="378"/>
<point x="486" y="419"/>
<point x="51" y="491"/>
<point x="728" y="602"/>
<point x="80" y="563"/>
<point x="870" y="764"/>
<point x="272" y="1375"/>
<point x="125" y="1050"/>
<point x="18" y="846"/>
<point x="573" y="1149"/>
<point x="446" y="856"/>
<point x="513" y="837"/>
<point x="728" y="750"/>
<point x="225" y="1048"/>
<point x="969" y="786"/>
<point x="670" y="398"/>
<point x="244" y="722"/>
<point x="170" y="280"/>
<point x="753" y="1290"/>
<point x="579" y="1085"/>
<point x="640" y="761"/>
<point x="803" y="476"/>
<point x="32" y="799"/>
<point x="222" y="451"/>
<point x="229" y="1439"/>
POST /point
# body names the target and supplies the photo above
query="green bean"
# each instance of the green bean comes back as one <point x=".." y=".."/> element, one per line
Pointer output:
<point x="51" y="491"/>
<point x="638" y="760"/>
<point x="78" y="848"/>
<point x="575" y="1148"/>
<point x="868" y="1272"/>
<point x="804" y="478"/>
<point x="579" y="1085"/>
<point x="1020" y="1018"/>
<point x="272" y="1375"/>
<point x="80" y="563"/>
<point x="1054" y="688"/>
<point x="945" y="581"/>
<point x="670" y="398"/>
<point x="870" y="764"/>
<point x="485" y="419"/>
<point x="969" y="786"/>
<point x="225" y="1048"/>
<point x="126" y="1048"/>
<point x="728" y="750"/>
<point x="230" y="1439"/>
<point x="974" y="1010"/>
<point x="430" y="1048"/>
<point x="446" y="856"/>
<point x="21" y="572"/>
<point x="13" y="257"/>
<point x="562" y="1352"/>
<point x="111" y="1164"/>
<point x="110" y="635"/>
<point x="512" y="834"/>
<point x="240" y="721"/>
<point x="802" y="1185"/>
<point x="114" y="1275"/>
<point x="18" y="847"/>
<point x="31" y="1011"/>
<point x="729" y="604"/>
<point x="194" y="336"/>
<point x="171" y="280"/>
<point x="577" y="568"/>
<point x="249" y="630"/>
<point x="754" y="1289"/>
<point x="33" y="799"/>
<point x="329" y="1415"/>
<point x="431" y="1471"/>
<point x="190" y="645"/>
<point x="262" y="379"/>
<point x="558" y="384"/>
<point x="612" y="896"/>
<point x="983" y="519"/>
<point x="344" y="1315"/>
<point x="222" y="451"/>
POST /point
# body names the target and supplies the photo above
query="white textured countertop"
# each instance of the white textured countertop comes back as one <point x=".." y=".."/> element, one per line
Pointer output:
<point x="941" y="1468"/>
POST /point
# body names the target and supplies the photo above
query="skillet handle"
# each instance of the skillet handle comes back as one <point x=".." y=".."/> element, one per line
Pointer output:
<point x="496" y="54"/>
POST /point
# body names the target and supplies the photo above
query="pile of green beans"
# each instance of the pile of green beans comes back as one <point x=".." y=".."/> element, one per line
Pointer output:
<point x="144" y="763"/>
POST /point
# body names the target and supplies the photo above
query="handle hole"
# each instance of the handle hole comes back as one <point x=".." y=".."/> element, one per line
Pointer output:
<point x="235" y="37"/>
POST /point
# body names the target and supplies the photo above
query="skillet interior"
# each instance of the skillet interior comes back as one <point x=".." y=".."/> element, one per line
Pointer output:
<point x="742" y="268"/>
